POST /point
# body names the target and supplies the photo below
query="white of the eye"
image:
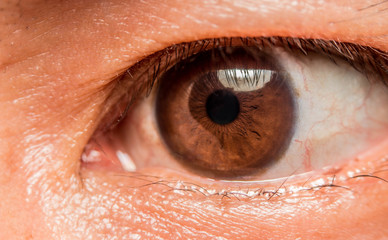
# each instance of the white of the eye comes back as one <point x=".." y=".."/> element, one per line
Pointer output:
<point x="244" y="80"/>
<point x="340" y="112"/>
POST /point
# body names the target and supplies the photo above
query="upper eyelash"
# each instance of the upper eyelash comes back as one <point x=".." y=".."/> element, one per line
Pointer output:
<point x="146" y="72"/>
<point x="359" y="56"/>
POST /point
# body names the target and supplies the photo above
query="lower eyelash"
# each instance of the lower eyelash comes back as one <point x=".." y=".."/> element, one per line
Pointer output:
<point x="282" y="189"/>
<point x="145" y="73"/>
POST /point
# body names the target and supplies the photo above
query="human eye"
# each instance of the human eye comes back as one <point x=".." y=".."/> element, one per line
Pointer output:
<point x="247" y="109"/>
<point x="73" y="91"/>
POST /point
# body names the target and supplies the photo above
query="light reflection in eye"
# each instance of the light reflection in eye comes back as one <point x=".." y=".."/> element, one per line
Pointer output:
<point x="244" y="80"/>
<point x="338" y="108"/>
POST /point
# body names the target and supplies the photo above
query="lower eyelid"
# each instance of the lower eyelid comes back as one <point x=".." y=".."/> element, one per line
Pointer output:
<point x="173" y="199"/>
<point x="349" y="179"/>
<point x="144" y="204"/>
<point x="368" y="168"/>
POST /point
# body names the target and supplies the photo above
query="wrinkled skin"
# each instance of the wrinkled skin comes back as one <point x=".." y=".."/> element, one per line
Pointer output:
<point x="58" y="63"/>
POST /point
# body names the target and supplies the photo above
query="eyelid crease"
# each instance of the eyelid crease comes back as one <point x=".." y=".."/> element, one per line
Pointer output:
<point x="139" y="79"/>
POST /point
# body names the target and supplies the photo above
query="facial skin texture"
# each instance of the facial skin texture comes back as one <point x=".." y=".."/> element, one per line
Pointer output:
<point x="58" y="63"/>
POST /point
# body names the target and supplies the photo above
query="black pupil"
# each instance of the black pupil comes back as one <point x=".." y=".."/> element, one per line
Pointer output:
<point x="222" y="107"/>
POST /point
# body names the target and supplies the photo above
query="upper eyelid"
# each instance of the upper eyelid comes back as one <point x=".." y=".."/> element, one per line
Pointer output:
<point x="357" y="55"/>
<point x="129" y="35"/>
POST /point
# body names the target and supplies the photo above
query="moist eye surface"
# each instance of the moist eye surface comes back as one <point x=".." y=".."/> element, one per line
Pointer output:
<point x="226" y="112"/>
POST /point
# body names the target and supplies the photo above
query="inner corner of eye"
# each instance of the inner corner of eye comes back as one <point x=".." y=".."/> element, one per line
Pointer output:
<point x="262" y="108"/>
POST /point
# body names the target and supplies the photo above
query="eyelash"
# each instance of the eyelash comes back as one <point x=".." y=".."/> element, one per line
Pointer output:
<point x="267" y="193"/>
<point x="146" y="72"/>
<point x="363" y="58"/>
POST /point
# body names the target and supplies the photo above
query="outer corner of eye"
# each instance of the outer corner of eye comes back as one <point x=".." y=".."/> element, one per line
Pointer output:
<point x="249" y="109"/>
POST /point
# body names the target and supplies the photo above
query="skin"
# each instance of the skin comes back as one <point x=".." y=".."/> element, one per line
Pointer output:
<point x="58" y="63"/>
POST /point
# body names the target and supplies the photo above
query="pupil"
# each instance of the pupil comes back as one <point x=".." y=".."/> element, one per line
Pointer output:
<point x="222" y="107"/>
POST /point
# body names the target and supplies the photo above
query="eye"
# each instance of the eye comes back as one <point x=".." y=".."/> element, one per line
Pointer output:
<point x="232" y="106"/>
<point x="254" y="108"/>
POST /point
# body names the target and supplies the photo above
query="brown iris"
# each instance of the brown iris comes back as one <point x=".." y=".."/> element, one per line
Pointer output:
<point x="226" y="112"/>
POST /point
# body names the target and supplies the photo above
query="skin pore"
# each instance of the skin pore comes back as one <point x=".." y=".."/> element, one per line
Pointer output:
<point x="60" y="60"/>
